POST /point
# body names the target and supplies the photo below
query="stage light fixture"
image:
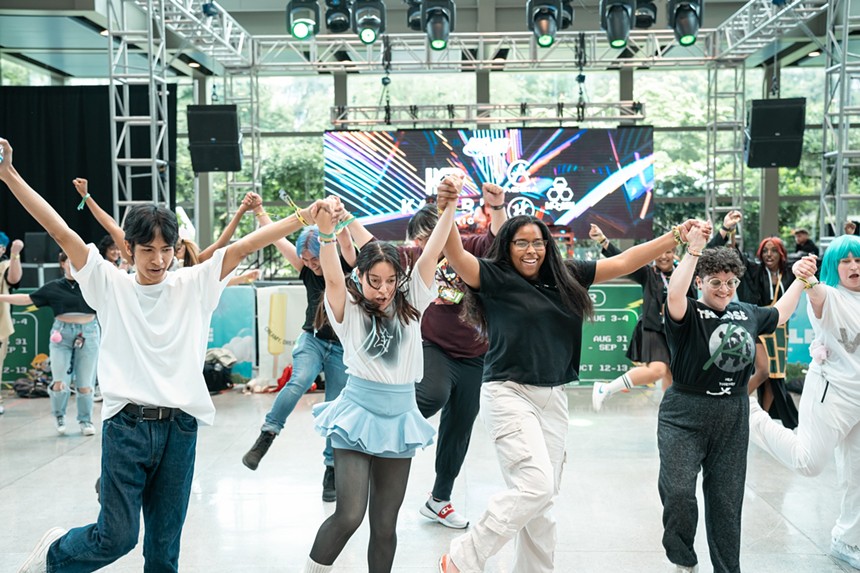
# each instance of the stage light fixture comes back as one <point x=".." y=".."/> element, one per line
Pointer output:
<point x="337" y="18"/>
<point x="368" y="20"/>
<point x="566" y="14"/>
<point x="303" y="18"/>
<point x="685" y="17"/>
<point x="437" y="19"/>
<point x="616" y="19"/>
<point x="413" y="15"/>
<point x="543" y="19"/>
<point x="645" y="15"/>
<point x="209" y="9"/>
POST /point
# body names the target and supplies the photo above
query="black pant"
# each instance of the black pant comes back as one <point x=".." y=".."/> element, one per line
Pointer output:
<point x="712" y="433"/>
<point x="454" y="386"/>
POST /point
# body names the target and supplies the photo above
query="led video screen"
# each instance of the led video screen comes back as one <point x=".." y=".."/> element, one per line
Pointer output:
<point x="569" y="178"/>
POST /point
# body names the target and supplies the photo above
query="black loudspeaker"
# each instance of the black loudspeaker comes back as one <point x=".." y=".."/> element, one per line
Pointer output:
<point x="39" y="248"/>
<point x="214" y="139"/>
<point x="774" y="133"/>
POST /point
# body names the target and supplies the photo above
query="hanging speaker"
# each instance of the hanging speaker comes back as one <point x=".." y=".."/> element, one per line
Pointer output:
<point x="774" y="133"/>
<point x="214" y="139"/>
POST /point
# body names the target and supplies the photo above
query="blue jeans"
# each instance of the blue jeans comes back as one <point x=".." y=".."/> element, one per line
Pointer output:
<point x="145" y="464"/>
<point x="83" y="371"/>
<point x="310" y="356"/>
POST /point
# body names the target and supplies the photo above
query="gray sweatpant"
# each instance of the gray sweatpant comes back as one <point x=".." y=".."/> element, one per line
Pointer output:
<point x="696" y="431"/>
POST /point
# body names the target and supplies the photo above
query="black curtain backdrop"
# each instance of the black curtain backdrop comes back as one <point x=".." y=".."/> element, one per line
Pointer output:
<point x="59" y="133"/>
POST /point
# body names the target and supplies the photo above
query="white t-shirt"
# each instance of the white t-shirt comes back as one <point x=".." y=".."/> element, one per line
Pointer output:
<point x="154" y="337"/>
<point x="385" y="350"/>
<point x="838" y="330"/>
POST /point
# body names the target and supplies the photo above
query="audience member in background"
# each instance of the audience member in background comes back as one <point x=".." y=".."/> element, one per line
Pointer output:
<point x="453" y="351"/>
<point x="316" y="350"/>
<point x="765" y="282"/>
<point x="703" y="423"/>
<point x="75" y="339"/>
<point x="156" y="325"/>
<point x="830" y="403"/>
<point x="648" y="346"/>
<point x="803" y="244"/>
<point x="109" y="250"/>
<point x="10" y="278"/>
<point x="852" y="228"/>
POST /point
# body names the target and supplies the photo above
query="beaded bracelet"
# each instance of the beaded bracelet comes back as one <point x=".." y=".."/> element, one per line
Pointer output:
<point x="327" y="241"/>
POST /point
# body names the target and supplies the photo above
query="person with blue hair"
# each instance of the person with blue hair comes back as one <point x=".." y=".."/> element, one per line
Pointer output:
<point x="10" y="277"/>
<point x="316" y="350"/>
<point x="830" y="403"/>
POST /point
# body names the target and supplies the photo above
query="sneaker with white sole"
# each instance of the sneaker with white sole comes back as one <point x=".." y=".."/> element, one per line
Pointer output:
<point x="37" y="561"/>
<point x="61" y="425"/>
<point x="444" y="513"/>
<point x="88" y="429"/>
<point x="97" y="393"/>
<point x="845" y="552"/>
<point x="685" y="569"/>
<point x="598" y="395"/>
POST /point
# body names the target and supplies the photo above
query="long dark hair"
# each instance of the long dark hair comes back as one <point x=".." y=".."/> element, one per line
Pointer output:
<point x="553" y="271"/>
<point x="370" y="254"/>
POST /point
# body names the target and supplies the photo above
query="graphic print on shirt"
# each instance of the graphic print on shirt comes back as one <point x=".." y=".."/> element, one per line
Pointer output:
<point x="845" y="340"/>
<point x="732" y="348"/>
<point x="382" y="339"/>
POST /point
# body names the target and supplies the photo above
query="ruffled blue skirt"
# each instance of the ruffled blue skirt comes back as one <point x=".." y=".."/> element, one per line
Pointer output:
<point x="378" y="419"/>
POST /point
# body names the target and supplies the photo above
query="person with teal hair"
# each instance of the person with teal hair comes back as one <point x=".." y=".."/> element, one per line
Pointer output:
<point x="830" y="404"/>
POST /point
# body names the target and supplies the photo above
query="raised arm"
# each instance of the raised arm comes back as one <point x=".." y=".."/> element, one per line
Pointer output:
<point x="105" y="220"/>
<point x="41" y="210"/>
<point x="15" y="272"/>
<point x="641" y="255"/>
<point x="787" y="303"/>
<point x="426" y="263"/>
<point x="494" y="196"/>
<point x="347" y="249"/>
<point x="729" y="226"/>
<point x="464" y="262"/>
<point x="223" y="239"/>
<point x="816" y="294"/>
<point x="17" y="299"/>
<point x="335" y="288"/>
<point x="676" y="295"/>
<point x="262" y="237"/>
<point x="284" y="246"/>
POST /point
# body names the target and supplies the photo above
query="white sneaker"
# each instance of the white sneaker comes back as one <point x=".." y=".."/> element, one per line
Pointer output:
<point x="87" y="429"/>
<point x="37" y="562"/>
<point x="61" y="425"/>
<point x="97" y="393"/>
<point x="598" y="395"/>
<point x="683" y="569"/>
<point x="444" y="513"/>
<point x="844" y="552"/>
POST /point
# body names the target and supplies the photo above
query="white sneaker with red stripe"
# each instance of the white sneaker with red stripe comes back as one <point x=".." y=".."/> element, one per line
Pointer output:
<point x="444" y="513"/>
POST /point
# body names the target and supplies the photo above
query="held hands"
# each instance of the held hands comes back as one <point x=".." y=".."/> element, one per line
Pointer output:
<point x="81" y="186"/>
<point x="805" y="268"/>
<point x="17" y="247"/>
<point x="323" y="214"/>
<point x="696" y="238"/>
<point x="251" y="202"/>
<point x="494" y="195"/>
<point x="731" y="220"/>
<point x="685" y="227"/>
<point x="596" y="234"/>
<point x="449" y="190"/>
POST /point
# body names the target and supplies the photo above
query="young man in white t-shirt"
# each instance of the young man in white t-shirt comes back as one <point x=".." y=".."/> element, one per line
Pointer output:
<point x="155" y="326"/>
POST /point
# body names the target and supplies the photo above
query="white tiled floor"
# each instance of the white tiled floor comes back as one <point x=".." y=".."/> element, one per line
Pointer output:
<point x="265" y="521"/>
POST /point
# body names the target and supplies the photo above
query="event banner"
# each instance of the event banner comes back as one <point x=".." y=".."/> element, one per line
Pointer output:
<point x="280" y="316"/>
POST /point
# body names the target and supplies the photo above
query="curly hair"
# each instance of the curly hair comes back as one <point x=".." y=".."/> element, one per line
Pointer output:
<point x="554" y="270"/>
<point x="720" y="260"/>
<point x="370" y="254"/>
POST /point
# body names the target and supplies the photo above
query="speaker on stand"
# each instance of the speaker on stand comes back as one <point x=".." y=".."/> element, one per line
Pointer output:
<point x="214" y="139"/>
<point x="774" y="133"/>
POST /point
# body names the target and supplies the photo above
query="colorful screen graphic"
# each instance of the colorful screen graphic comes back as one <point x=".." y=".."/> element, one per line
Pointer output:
<point x="567" y="177"/>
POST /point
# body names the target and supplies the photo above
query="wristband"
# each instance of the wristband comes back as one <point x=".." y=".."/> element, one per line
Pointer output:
<point x="83" y="202"/>
<point x="300" y="218"/>
<point x="726" y="229"/>
<point x="807" y="284"/>
<point x="261" y="214"/>
<point x="693" y="252"/>
<point x="676" y="233"/>
<point x="497" y="207"/>
<point x="324" y="242"/>
<point x="16" y="256"/>
<point x="327" y="236"/>
<point x="341" y="225"/>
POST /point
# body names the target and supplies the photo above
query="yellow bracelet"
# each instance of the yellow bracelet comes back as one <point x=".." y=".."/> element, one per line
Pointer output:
<point x="16" y="256"/>
<point x="261" y="214"/>
<point x="300" y="218"/>
<point x="806" y="283"/>
<point x="676" y="232"/>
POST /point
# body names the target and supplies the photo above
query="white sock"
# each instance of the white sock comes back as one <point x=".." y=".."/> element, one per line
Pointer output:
<point x="313" y="567"/>
<point x="618" y="384"/>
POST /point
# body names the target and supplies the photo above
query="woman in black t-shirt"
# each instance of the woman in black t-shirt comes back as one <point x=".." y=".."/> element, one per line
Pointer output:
<point x="530" y="304"/>
<point x="703" y="422"/>
<point x="74" y="349"/>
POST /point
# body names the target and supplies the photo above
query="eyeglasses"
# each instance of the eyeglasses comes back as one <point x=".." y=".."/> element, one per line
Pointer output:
<point x="538" y="244"/>
<point x="730" y="284"/>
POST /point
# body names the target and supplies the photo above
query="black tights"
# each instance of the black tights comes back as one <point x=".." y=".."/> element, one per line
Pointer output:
<point x="360" y="478"/>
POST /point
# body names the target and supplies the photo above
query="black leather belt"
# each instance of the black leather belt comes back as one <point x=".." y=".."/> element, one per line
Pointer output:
<point x="151" y="413"/>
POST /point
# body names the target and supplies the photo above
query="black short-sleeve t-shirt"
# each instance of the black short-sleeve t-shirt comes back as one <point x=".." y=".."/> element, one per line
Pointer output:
<point x="533" y="337"/>
<point x="713" y="352"/>
<point x="63" y="296"/>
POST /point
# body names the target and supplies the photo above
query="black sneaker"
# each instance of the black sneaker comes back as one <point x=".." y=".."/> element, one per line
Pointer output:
<point x="329" y="492"/>
<point x="256" y="453"/>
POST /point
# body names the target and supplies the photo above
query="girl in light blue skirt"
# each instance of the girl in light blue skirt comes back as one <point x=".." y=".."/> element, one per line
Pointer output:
<point x="374" y="425"/>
